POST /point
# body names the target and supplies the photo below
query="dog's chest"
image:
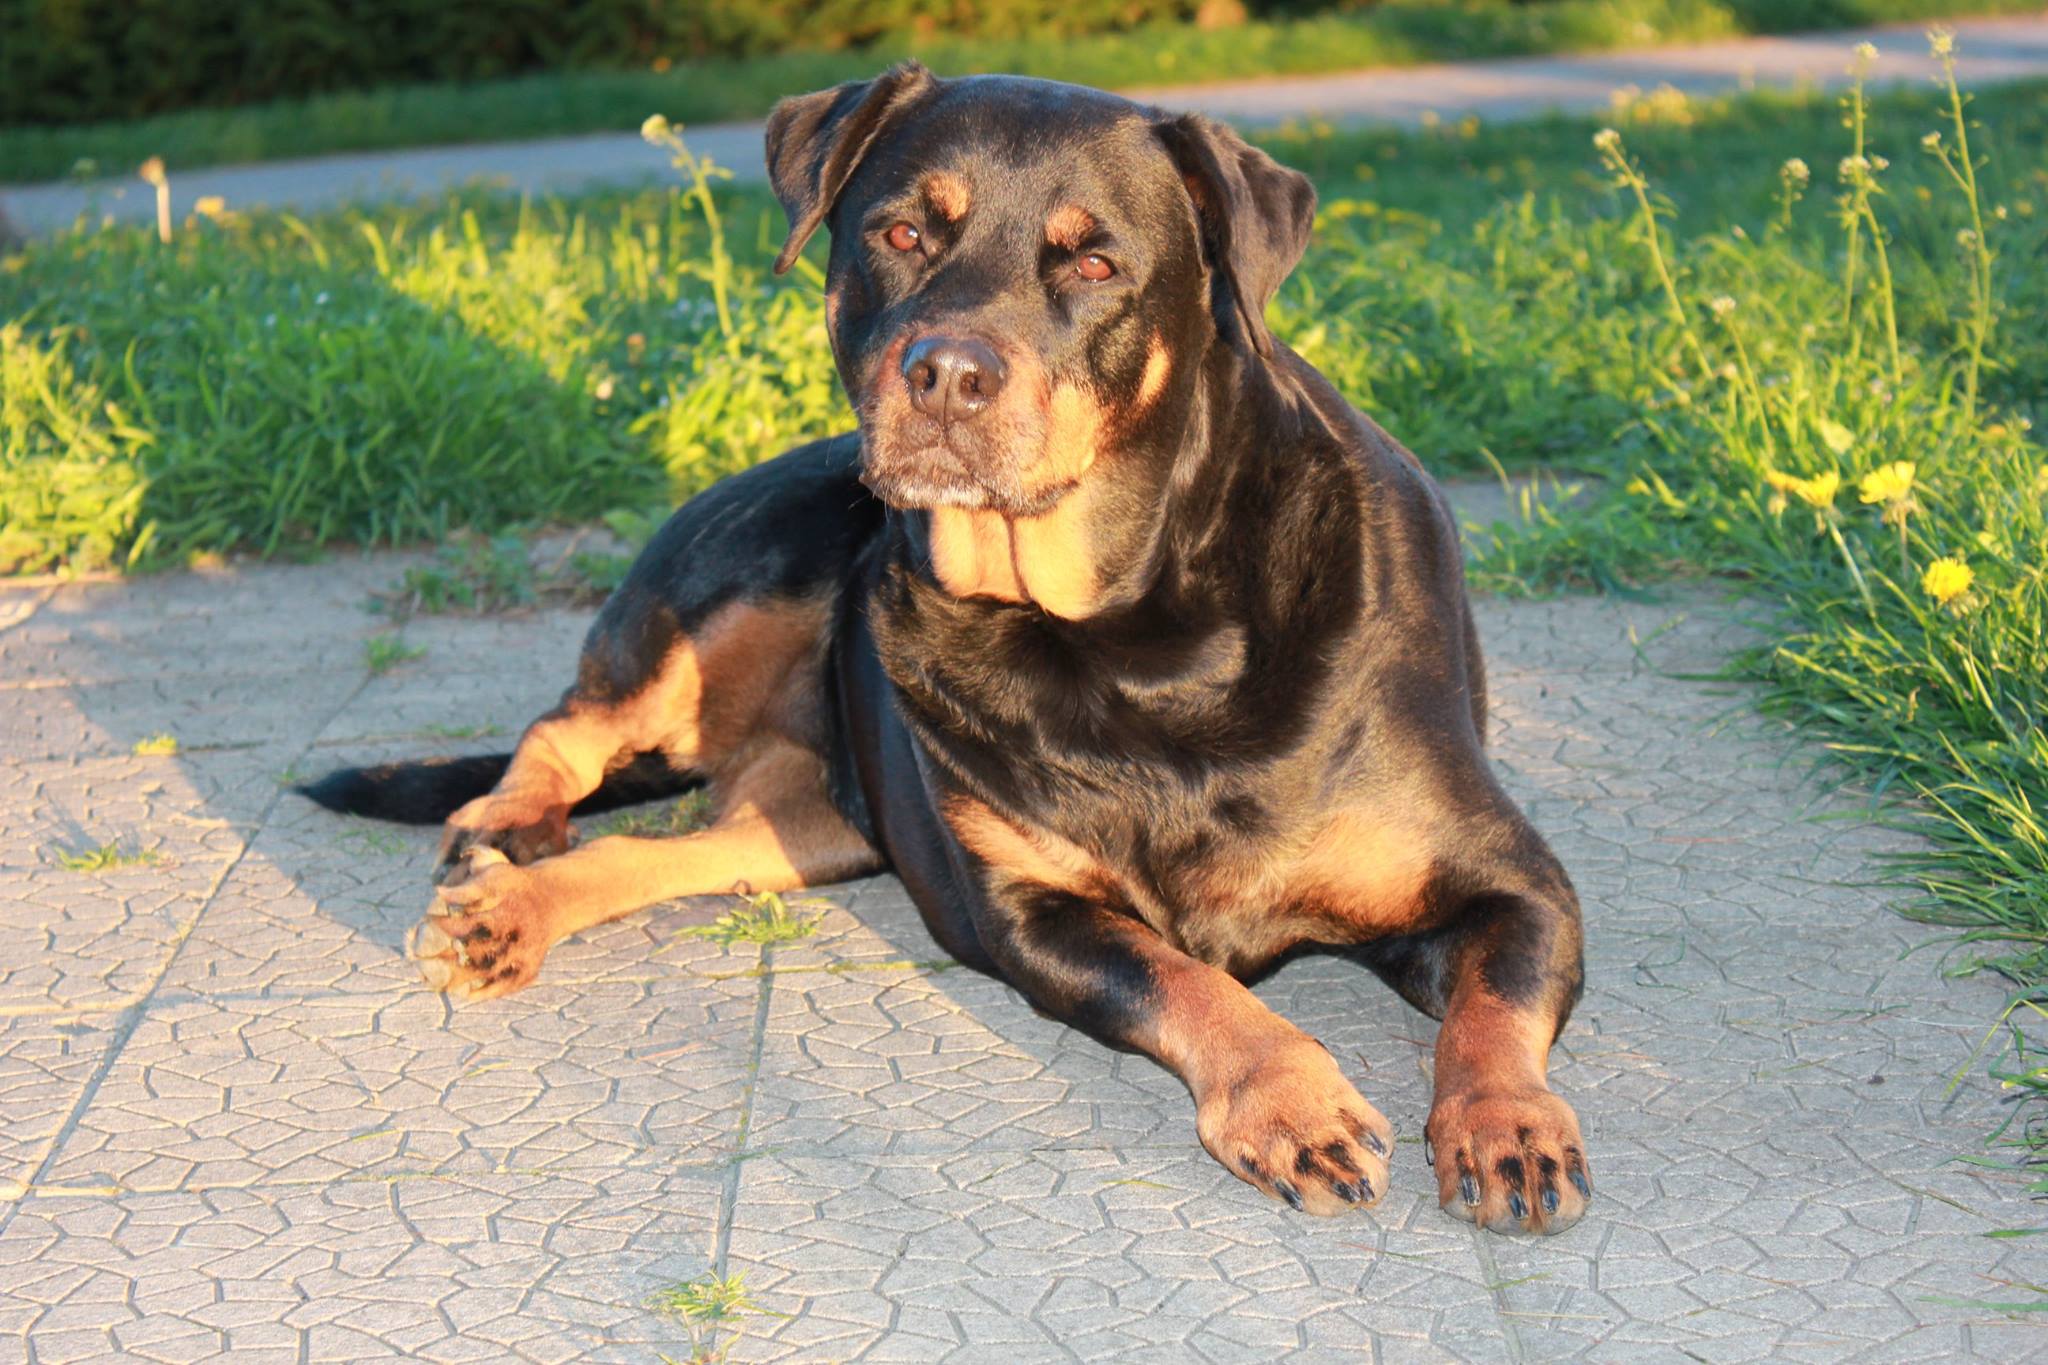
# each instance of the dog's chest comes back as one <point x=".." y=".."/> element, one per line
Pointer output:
<point x="1239" y="903"/>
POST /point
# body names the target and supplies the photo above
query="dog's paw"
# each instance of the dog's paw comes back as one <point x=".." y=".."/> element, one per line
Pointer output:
<point x="1510" y="1160"/>
<point x="524" y="831"/>
<point x="486" y="934"/>
<point x="1293" y="1126"/>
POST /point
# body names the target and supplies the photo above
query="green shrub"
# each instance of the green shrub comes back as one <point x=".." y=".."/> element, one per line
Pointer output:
<point x="70" y="488"/>
<point x="71" y="60"/>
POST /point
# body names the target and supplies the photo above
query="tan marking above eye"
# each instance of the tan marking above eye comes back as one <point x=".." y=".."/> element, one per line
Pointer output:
<point x="904" y="237"/>
<point x="1068" y="226"/>
<point x="947" y="193"/>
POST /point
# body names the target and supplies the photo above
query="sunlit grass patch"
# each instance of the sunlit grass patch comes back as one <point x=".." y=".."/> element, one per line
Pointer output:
<point x="706" y="1304"/>
<point x="106" y="857"/>
<point x="156" y="746"/>
<point x="765" y="919"/>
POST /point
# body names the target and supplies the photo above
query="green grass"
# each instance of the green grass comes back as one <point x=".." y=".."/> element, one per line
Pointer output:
<point x="106" y="857"/>
<point x="382" y="653"/>
<point x="1391" y="33"/>
<point x="706" y="1304"/>
<point x="765" y="919"/>
<point x="687" y="816"/>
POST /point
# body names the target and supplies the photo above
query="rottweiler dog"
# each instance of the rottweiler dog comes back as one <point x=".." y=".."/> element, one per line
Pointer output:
<point x="1139" y="654"/>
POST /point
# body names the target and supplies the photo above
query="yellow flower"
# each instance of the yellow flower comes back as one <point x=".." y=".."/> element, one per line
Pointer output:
<point x="1818" y="491"/>
<point x="210" y="206"/>
<point x="1947" y="579"/>
<point x="1890" y="483"/>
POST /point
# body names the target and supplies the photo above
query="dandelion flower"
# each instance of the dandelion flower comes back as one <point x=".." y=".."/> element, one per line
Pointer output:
<point x="1889" y="483"/>
<point x="1947" y="579"/>
<point x="210" y="206"/>
<point x="1817" y="492"/>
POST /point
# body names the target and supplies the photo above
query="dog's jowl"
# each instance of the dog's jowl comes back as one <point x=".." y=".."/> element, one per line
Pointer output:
<point x="1136" y="652"/>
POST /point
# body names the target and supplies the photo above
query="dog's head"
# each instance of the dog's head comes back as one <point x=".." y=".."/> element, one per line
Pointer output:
<point x="1025" y="275"/>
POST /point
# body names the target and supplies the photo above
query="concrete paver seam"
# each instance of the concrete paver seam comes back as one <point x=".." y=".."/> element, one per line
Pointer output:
<point x="132" y="1014"/>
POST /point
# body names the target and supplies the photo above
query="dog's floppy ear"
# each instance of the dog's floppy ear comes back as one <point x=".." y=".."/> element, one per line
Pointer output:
<point x="1255" y="214"/>
<point x="815" y="141"/>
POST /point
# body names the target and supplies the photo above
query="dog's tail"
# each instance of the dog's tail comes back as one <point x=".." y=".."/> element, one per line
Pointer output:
<point x="428" y="791"/>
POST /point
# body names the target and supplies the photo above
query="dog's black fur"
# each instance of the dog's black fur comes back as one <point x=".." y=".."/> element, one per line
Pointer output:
<point x="1140" y="655"/>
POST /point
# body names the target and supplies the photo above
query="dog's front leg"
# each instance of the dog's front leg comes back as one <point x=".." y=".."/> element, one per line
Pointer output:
<point x="1507" y="1150"/>
<point x="1271" y="1103"/>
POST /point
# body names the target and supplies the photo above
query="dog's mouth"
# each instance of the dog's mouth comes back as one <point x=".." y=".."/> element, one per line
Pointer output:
<point x="919" y="469"/>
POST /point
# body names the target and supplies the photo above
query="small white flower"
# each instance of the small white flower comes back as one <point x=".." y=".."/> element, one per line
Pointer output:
<point x="1607" y="140"/>
<point x="1940" y="42"/>
<point x="1797" y="170"/>
<point x="320" y="298"/>
<point x="1852" y="166"/>
<point x="655" y="128"/>
<point x="1722" y="306"/>
<point x="1931" y="141"/>
<point x="1866" y="52"/>
<point x="1966" y="239"/>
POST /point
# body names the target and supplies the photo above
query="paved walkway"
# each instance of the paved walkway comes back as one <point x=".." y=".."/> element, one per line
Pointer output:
<point x="233" y="1122"/>
<point x="1992" y="50"/>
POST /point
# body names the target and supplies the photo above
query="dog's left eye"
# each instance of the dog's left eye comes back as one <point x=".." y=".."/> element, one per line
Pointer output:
<point x="904" y="237"/>
<point x="1093" y="267"/>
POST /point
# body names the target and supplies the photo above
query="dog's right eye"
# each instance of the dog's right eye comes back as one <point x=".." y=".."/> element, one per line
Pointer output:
<point x="904" y="237"/>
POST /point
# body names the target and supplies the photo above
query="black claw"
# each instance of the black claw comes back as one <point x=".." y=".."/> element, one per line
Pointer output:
<point x="1579" y="1179"/>
<point x="1517" y="1205"/>
<point x="1468" y="1190"/>
<point x="1289" y="1193"/>
<point x="1365" y="1190"/>
<point x="1549" y="1200"/>
<point x="1347" y="1191"/>
<point x="1429" y="1154"/>
<point x="1377" y="1143"/>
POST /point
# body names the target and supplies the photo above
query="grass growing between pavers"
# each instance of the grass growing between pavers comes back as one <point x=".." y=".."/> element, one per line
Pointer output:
<point x="1390" y="33"/>
<point x="706" y="1306"/>
<point x="1814" y="315"/>
<point x="765" y="919"/>
<point x="108" y="857"/>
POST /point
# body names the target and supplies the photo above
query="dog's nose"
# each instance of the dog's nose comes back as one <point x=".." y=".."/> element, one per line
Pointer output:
<point x="950" y="378"/>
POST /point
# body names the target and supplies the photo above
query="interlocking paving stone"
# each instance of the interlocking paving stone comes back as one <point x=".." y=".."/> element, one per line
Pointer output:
<point x="458" y="1268"/>
<point x="232" y="1122"/>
